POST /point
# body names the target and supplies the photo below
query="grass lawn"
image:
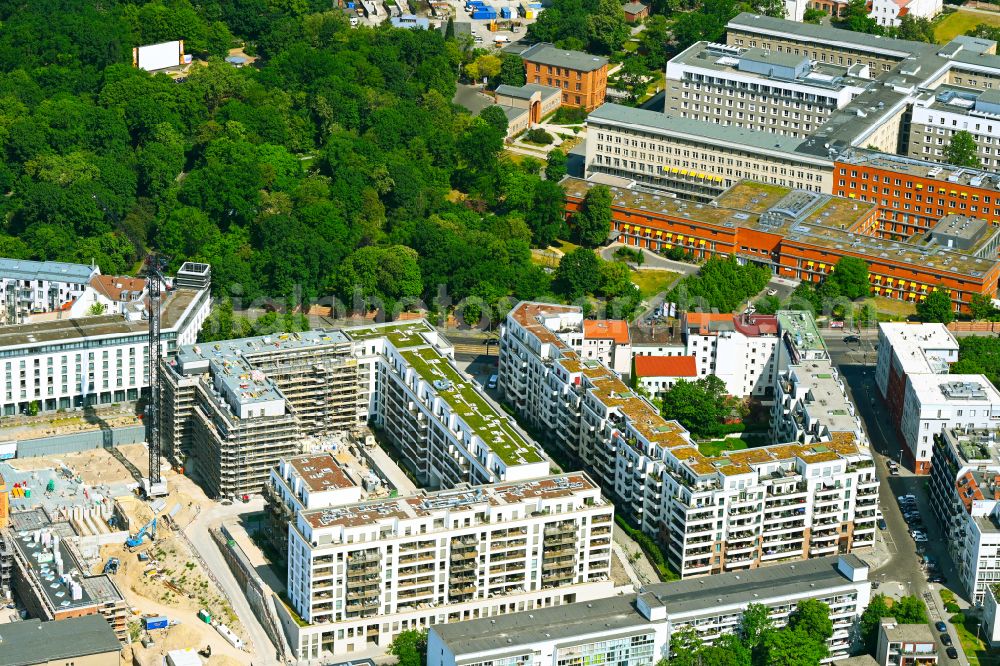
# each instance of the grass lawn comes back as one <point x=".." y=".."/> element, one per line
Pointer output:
<point x="652" y="282"/>
<point x="895" y="310"/>
<point x="715" y="447"/>
<point x="564" y="246"/>
<point x="631" y="45"/>
<point x="656" y="84"/>
<point x="958" y="23"/>
<point x="544" y="258"/>
<point x="975" y="649"/>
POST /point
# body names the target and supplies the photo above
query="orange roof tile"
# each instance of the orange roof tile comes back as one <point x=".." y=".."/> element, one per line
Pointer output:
<point x="603" y="329"/>
<point x="665" y="366"/>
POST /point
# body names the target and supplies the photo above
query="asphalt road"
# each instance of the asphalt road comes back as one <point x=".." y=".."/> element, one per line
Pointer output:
<point x="653" y="260"/>
<point x="263" y="652"/>
<point x="902" y="573"/>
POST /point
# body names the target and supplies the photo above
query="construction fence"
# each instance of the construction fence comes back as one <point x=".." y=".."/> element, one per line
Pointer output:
<point x="261" y="597"/>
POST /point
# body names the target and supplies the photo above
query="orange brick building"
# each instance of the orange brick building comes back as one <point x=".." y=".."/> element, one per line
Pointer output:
<point x="799" y="235"/>
<point x="913" y="195"/>
<point x="583" y="78"/>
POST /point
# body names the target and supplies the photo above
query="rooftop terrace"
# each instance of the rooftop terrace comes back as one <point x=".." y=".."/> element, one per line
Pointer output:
<point x="401" y="334"/>
<point x="645" y="420"/>
<point x="463" y="498"/>
<point x="320" y="472"/>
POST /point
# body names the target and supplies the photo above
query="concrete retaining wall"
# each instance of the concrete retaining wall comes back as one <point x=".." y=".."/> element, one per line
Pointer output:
<point x="80" y="441"/>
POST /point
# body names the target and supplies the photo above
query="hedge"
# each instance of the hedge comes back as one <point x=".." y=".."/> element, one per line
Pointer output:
<point x="653" y="550"/>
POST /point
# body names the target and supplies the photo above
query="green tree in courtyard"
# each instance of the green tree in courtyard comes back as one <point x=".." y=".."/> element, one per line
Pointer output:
<point x="410" y="648"/>
<point x="592" y="222"/>
<point x="936" y="307"/>
<point x="962" y="150"/>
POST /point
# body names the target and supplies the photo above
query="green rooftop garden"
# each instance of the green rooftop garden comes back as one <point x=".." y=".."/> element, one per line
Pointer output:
<point x="486" y="422"/>
<point x="402" y="335"/>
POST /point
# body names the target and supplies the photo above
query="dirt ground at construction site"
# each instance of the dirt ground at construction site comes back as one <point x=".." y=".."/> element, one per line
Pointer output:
<point x="172" y="582"/>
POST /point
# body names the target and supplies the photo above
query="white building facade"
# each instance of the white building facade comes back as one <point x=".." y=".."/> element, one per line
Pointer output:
<point x="64" y="364"/>
<point x="359" y="574"/>
<point x="28" y="287"/>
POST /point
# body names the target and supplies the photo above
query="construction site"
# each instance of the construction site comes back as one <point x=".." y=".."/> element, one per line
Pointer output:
<point x="82" y="541"/>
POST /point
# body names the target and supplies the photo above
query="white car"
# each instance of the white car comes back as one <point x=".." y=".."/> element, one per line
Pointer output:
<point x="772" y="292"/>
<point x="919" y="537"/>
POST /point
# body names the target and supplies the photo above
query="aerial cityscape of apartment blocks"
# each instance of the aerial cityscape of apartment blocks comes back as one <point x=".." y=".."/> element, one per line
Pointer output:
<point x="239" y="406"/>
<point x="812" y="493"/>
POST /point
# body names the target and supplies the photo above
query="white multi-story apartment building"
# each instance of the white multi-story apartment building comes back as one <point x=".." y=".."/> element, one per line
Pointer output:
<point x="738" y="349"/>
<point x="965" y="496"/>
<point x="359" y="574"/>
<point x="736" y="510"/>
<point x="308" y="481"/>
<point x="811" y="403"/>
<point x="934" y="404"/>
<point x="922" y="398"/>
<point x="778" y="93"/>
<point x="69" y="363"/>
<point x="635" y="630"/>
<point x="28" y="287"/>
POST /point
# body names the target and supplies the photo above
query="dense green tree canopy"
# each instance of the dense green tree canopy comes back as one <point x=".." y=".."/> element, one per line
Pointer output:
<point x="592" y="222"/>
<point x="701" y="406"/>
<point x="979" y="355"/>
<point x="336" y="165"/>
<point x="721" y="283"/>
<point x="850" y="278"/>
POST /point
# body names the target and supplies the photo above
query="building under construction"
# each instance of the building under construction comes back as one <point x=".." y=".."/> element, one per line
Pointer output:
<point x="234" y="409"/>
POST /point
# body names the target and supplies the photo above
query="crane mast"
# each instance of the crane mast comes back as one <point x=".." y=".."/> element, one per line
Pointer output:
<point x="154" y="485"/>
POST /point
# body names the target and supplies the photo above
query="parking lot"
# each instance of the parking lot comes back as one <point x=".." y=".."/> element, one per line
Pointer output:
<point x="464" y="23"/>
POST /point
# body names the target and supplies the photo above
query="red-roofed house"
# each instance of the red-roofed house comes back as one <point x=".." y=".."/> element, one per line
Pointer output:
<point x="657" y="374"/>
<point x="891" y="12"/>
<point x="608" y="341"/>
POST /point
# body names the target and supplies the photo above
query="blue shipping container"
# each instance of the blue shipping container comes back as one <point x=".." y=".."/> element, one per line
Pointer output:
<point x="487" y="13"/>
<point x="505" y="12"/>
<point x="158" y="622"/>
<point x="475" y="3"/>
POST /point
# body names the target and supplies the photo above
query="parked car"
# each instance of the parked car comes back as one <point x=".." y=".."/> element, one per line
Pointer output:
<point x="852" y="339"/>
<point x="881" y="524"/>
<point x="920" y="537"/>
<point x="952" y="653"/>
<point x="946" y="640"/>
<point x="941" y="626"/>
<point x="937" y="578"/>
<point x="772" y="292"/>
